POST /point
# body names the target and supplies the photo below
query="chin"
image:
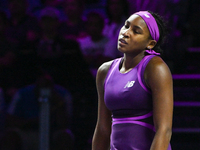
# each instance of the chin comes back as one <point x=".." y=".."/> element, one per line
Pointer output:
<point x="121" y="49"/>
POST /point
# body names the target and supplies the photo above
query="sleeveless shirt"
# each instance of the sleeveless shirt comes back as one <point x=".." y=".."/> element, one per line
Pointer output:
<point x="130" y="101"/>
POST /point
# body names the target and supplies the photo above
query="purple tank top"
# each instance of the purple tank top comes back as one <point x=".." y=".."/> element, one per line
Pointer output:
<point x="130" y="101"/>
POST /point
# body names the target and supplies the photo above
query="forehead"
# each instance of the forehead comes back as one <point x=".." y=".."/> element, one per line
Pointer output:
<point x="136" y="20"/>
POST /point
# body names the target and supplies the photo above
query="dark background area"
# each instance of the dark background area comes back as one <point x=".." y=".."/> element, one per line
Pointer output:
<point x="21" y="64"/>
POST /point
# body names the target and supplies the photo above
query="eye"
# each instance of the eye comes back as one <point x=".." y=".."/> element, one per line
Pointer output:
<point x="126" y="26"/>
<point x="136" y="31"/>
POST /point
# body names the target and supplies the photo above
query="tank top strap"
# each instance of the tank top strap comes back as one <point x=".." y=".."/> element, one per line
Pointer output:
<point x="141" y="69"/>
<point x="113" y="66"/>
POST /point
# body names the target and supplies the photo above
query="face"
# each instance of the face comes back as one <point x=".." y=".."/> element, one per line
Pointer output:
<point x="94" y="26"/>
<point x="134" y="36"/>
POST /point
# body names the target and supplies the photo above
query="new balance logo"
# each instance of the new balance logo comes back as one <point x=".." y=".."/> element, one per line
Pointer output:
<point x="129" y="84"/>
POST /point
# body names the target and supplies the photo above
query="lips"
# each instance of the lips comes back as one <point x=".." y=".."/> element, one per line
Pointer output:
<point x="123" y="41"/>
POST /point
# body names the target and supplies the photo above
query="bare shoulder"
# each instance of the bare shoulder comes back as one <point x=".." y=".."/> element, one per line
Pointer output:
<point x="157" y="64"/>
<point x="103" y="70"/>
<point x="156" y="70"/>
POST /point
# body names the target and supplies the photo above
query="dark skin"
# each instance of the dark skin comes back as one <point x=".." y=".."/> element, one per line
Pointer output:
<point x="157" y="76"/>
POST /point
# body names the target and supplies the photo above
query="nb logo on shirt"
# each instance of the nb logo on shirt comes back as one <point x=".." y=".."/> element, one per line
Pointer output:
<point x="129" y="84"/>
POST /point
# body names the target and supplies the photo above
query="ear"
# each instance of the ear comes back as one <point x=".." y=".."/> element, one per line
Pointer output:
<point x="151" y="44"/>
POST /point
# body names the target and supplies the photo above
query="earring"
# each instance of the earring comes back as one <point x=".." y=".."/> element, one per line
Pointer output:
<point x="148" y="47"/>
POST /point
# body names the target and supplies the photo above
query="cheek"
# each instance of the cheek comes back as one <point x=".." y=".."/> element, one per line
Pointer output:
<point x="120" y="32"/>
<point x="140" y="40"/>
<point x="138" y="44"/>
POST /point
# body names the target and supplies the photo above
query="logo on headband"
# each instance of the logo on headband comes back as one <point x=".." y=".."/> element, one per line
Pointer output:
<point x="146" y="15"/>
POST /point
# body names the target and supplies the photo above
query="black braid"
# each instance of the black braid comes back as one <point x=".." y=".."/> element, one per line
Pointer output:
<point x="162" y="25"/>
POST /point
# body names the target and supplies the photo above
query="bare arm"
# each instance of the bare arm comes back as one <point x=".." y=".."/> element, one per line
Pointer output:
<point x="101" y="138"/>
<point x="158" y="78"/>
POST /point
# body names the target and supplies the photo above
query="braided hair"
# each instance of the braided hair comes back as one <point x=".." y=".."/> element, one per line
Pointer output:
<point x="163" y="30"/>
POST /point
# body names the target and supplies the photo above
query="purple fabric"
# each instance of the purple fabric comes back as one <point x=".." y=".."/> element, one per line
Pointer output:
<point x="144" y="124"/>
<point x="151" y="24"/>
<point x="134" y="120"/>
<point x="141" y="70"/>
<point x="131" y="136"/>
<point x="125" y="86"/>
<point x="140" y="76"/>
<point x="151" y="52"/>
<point x="127" y="98"/>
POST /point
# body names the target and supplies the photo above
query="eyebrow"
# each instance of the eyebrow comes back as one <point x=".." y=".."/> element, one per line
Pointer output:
<point x="135" y="26"/>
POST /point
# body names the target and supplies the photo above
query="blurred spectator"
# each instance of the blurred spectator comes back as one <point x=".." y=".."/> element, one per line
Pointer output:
<point x="58" y="4"/>
<point x="117" y="12"/>
<point x="22" y="33"/>
<point x="96" y="47"/>
<point x="23" y="117"/>
<point x="63" y="59"/>
<point x="57" y="55"/>
<point x="6" y="49"/>
<point x="49" y="22"/>
<point x="7" y="55"/>
<point x="152" y="5"/>
<point x="24" y="28"/>
<point x="74" y="26"/>
<point x="52" y="49"/>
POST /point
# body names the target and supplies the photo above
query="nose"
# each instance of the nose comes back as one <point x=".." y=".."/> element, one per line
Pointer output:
<point x="125" y="33"/>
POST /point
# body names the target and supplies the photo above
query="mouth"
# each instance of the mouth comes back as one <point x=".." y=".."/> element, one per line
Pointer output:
<point x="123" y="41"/>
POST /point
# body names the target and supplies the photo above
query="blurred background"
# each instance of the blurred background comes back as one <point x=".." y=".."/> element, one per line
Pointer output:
<point x="50" y="51"/>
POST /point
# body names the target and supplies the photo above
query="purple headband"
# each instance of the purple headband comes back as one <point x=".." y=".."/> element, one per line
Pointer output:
<point x="151" y="24"/>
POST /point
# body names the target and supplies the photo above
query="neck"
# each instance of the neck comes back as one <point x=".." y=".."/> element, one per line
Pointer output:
<point x="130" y="62"/>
